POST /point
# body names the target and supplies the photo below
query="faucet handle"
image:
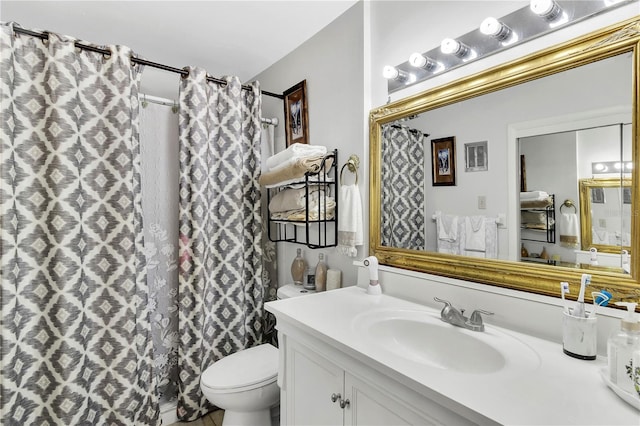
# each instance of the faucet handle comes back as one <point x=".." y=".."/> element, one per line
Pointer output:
<point x="475" y="320"/>
<point x="446" y="302"/>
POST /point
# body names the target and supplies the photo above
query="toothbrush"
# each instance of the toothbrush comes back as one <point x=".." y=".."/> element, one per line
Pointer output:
<point x="599" y="299"/>
<point x="578" y="311"/>
<point x="564" y="289"/>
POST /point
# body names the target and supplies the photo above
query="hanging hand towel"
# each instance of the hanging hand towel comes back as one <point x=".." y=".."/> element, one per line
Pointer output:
<point x="350" y="226"/>
<point x="447" y="233"/>
<point x="569" y="230"/>
<point x="475" y="236"/>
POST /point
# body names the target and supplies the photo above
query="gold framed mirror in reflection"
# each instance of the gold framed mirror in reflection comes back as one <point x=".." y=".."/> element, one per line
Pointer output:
<point x="488" y="107"/>
<point x="605" y="214"/>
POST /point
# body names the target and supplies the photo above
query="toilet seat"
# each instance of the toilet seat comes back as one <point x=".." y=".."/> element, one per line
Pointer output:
<point x="244" y="370"/>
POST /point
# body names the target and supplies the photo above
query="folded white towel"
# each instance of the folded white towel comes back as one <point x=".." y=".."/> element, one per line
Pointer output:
<point x="350" y="223"/>
<point x="533" y="195"/>
<point x="294" y="199"/>
<point x="296" y="150"/>
<point x="569" y="230"/>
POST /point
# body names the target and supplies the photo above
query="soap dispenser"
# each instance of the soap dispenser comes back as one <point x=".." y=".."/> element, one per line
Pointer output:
<point x="620" y="348"/>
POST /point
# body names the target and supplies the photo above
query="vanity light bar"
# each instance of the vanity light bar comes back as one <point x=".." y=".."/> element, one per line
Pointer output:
<point x="495" y="35"/>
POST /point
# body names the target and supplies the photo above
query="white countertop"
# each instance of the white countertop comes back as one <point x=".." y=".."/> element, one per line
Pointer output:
<point x="560" y="390"/>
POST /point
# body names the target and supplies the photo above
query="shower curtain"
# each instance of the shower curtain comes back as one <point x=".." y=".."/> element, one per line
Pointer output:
<point x="76" y="346"/>
<point x="220" y="286"/>
<point x="402" y="212"/>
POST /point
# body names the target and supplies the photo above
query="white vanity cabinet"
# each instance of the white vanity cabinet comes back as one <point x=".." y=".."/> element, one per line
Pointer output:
<point x="317" y="391"/>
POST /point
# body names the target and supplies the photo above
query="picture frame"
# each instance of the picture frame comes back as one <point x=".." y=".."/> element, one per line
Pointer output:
<point x="296" y="116"/>
<point x="597" y="195"/>
<point x="476" y="157"/>
<point x="443" y="161"/>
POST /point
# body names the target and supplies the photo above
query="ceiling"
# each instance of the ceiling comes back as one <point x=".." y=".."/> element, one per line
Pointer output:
<point x="238" y="37"/>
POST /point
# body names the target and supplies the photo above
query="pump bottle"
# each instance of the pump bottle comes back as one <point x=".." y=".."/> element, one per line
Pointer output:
<point x="620" y="348"/>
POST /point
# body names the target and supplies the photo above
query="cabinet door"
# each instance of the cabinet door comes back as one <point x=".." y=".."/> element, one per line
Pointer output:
<point x="311" y="380"/>
<point x="368" y="406"/>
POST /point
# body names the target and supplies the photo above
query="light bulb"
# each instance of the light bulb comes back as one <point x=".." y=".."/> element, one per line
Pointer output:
<point x="629" y="166"/>
<point x="492" y="27"/>
<point x="454" y="47"/>
<point x="449" y="46"/>
<point x="420" y="61"/>
<point x="599" y="167"/>
<point x="547" y="9"/>
<point x="393" y="73"/>
<point x="390" y="73"/>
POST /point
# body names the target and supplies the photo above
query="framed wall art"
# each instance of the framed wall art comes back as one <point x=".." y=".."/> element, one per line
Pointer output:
<point x="443" y="161"/>
<point x="476" y="157"/>
<point x="296" y="117"/>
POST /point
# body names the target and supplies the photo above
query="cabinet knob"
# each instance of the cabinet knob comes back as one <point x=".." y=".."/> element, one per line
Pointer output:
<point x="335" y="397"/>
<point x="344" y="403"/>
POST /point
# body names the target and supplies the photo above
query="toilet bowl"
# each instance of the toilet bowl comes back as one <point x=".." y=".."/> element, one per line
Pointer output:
<point x="244" y="383"/>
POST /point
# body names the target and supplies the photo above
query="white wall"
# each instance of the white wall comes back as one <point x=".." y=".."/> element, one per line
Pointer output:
<point x="332" y="62"/>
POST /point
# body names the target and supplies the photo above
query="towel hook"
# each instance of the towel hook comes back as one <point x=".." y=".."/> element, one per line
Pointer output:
<point x="352" y="164"/>
<point x="569" y="204"/>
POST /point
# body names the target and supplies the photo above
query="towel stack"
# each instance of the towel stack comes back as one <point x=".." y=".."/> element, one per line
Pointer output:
<point x="291" y="164"/>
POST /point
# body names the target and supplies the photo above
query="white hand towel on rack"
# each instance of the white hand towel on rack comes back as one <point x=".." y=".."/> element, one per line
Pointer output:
<point x="350" y="224"/>
<point x="475" y="236"/>
<point x="447" y="233"/>
<point x="569" y="230"/>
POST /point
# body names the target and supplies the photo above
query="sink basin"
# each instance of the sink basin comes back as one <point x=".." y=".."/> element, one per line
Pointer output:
<point x="421" y="337"/>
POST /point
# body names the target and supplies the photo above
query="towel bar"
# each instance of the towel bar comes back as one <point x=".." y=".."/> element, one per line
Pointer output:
<point x="500" y="219"/>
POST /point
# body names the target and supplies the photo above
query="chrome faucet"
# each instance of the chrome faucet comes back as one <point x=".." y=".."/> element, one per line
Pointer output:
<point x="456" y="317"/>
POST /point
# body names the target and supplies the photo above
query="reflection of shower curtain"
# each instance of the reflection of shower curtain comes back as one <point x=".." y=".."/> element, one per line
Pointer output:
<point x="76" y="339"/>
<point x="220" y="286"/>
<point x="159" y="149"/>
<point x="402" y="208"/>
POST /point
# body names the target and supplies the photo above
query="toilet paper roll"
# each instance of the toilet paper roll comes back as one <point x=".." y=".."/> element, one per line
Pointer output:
<point x="334" y="279"/>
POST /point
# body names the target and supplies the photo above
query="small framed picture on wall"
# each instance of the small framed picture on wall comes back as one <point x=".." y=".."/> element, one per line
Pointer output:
<point x="443" y="161"/>
<point x="296" y="117"/>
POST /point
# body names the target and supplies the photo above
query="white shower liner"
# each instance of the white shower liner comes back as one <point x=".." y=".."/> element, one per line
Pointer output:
<point x="168" y="412"/>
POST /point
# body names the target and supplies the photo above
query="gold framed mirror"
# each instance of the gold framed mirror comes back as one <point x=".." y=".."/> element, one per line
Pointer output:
<point x="605" y="214"/>
<point x="589" y="51"/>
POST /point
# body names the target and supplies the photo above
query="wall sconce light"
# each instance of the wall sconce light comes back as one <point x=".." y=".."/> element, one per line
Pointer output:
<point x="602" y="167"/>
<point x="498" y="30"/>
<point x="393" y="73"/>
<point x="418" y="60"/>
<point x="450" y="46"/>
<point x="550" y="11"/>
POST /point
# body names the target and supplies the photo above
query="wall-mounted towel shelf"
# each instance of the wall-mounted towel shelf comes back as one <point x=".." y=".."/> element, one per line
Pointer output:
<point x="316" y="225"/>
<point x="542" y="229"/>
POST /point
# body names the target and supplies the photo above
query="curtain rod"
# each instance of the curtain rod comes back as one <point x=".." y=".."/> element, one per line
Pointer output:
<point x="182" y="72"/>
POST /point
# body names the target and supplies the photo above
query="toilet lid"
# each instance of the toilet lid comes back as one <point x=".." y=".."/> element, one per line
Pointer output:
<point x="253" y="366"/>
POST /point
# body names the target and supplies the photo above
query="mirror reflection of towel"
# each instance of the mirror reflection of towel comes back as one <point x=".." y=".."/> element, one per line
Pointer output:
<point x="569" y="230"/>
<point x="475" y="236"/>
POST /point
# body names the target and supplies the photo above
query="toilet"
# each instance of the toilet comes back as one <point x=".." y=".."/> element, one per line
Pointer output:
<point x="244" y="383"/>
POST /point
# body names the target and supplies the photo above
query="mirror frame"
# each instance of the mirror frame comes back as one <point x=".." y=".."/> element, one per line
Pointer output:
<point x="585" y="186"/>
<point x="617" y="39"/>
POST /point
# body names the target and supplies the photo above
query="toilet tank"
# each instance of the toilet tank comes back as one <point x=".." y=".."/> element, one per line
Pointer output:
<point x="291" y="290"/>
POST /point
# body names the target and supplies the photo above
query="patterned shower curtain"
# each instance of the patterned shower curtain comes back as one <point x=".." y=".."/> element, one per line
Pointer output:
<point x="220" y="286"/>
<point x="402" y="199"/>
<point x="76" y="346"/>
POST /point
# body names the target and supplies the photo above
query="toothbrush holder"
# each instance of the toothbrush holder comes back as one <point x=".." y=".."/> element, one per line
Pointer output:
<point x="579" y="336"/>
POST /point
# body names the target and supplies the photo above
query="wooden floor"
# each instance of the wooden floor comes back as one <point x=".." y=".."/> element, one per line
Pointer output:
<point x="211" y="419"/>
